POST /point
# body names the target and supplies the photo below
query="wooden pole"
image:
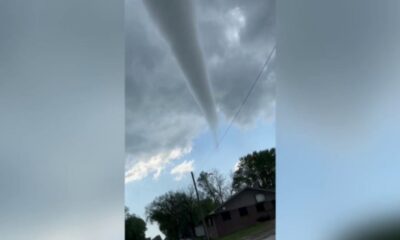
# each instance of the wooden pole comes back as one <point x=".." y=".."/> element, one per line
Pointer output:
<point x="201" y="210"/>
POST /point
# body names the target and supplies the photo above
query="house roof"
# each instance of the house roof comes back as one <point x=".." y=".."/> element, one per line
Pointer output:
<point x="234" y="196"/>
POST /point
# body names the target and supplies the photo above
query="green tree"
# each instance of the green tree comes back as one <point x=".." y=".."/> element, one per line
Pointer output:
<point x="206" y="204"/>
<point x="178" y="213"/>
<point x="214" y="186"/>
<point x="135" y="227"/>
<point x="175" y="213"/>
<point x="255" y="170"/>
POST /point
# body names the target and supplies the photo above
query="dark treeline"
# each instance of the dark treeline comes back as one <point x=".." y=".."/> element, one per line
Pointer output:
<point x="135" y="227"/>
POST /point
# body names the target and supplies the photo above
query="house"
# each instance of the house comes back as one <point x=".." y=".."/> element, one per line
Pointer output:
<point x="243" y="209"/>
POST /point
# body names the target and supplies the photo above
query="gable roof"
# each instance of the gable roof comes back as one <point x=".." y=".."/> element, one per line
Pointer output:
<point x="234" y="196"/>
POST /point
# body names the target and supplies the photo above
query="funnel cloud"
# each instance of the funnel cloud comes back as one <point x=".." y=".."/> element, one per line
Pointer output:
<point x="162" y="115"/>
<point x="176" y="21"/>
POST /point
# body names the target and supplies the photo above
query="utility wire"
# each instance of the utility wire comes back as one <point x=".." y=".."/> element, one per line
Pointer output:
<point x="264" y="66"/>
<point x="266" y="63"/>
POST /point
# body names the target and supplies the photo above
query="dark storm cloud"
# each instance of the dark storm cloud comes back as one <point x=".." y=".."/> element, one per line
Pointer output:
<point x="161" y="115"/>
<point x="176" y="20"/>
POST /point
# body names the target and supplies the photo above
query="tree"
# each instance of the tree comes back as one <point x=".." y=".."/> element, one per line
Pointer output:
<point x="214" y="186"/>
<point x="135" y="227"/>
<point x="206" y="204"/>
<point x="255" y="170"/>
<point x="176" y="214"/>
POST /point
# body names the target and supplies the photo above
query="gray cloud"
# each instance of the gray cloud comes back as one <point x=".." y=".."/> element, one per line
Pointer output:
<point x="161" y="113"/>
<point x="176" y="20"/>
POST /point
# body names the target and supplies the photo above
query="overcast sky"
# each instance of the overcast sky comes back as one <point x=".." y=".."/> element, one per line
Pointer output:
<point x="167" y="134"/>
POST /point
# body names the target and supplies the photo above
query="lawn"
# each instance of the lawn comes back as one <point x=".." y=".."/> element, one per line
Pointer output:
<point x="251" y="232"/>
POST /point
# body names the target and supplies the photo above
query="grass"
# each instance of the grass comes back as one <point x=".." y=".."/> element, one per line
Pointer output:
<point x="252" y="231"/>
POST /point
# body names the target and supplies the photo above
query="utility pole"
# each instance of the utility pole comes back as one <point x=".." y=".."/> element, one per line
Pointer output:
<point x="201" y="210"/>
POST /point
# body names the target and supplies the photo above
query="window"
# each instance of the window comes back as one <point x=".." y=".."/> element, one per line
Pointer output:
<point x="260" y="197"/>
<point x="260" y="207"/>
<point x="243" y="211"/>
<point x="226" y="216"/>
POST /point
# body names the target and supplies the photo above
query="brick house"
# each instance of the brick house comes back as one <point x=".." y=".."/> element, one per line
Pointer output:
<point x="243" y="209"/>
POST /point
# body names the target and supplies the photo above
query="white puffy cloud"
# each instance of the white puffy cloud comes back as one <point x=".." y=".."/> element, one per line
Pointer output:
<point x="154" y="165"/>
<point x="180" y="170"/>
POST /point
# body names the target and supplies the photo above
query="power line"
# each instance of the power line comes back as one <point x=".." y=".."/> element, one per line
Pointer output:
<point x="266" y="63"/>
